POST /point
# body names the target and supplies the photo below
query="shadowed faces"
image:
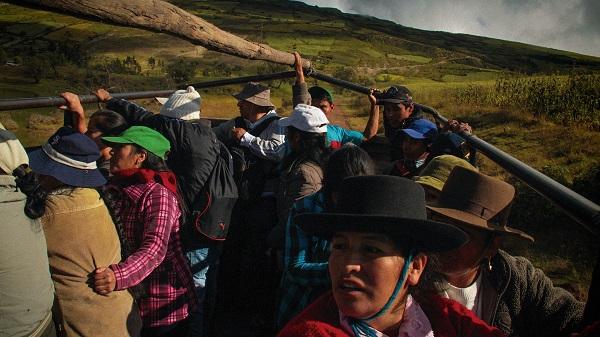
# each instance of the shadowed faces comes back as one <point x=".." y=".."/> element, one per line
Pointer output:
<point x="125" y="156"/>
<point x="395" y="113"/>
<point x="324" y="105"/>
<point x="461" y="266"/>
<point x="247" y="109"/>
<point x="413" y="149"/>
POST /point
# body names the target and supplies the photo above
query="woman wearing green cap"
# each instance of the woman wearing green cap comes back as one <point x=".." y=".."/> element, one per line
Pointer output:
<point x="380" y="241"/>
<point x="146" y="207"/>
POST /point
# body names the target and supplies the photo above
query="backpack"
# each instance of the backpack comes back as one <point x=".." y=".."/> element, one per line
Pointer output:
<point x="219" y="196"/>
<point x="251" y="172"/>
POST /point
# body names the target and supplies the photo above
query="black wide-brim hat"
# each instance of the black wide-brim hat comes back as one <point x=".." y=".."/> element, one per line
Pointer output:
<point x="384" y="204"/>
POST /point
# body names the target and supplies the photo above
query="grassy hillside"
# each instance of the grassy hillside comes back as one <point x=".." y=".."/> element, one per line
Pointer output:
<point x="456" y="73"/>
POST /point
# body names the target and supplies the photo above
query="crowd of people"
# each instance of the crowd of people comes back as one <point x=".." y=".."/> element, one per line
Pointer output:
<point x="113" y="227"/>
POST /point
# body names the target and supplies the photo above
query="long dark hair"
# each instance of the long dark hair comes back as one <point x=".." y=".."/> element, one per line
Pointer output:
<point x="311" y="148"/>
<point x="114" y="198"/>
<point x="155" y="163"/>
<point x="348" y="161"/>
<point x="112" y="194"/>
<point x="27" y="181"/>
<point x="431" y="281"/>
<point x="108" y="122"/>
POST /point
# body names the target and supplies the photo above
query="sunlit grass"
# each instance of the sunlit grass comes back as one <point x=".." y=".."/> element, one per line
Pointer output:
<point x="411" y="58"/>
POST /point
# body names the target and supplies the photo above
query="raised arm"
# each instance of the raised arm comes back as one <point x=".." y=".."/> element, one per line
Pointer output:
<point x="133" y="113"/>
<point x="74" y="106"/>
<point x="373" y="123"/>
<point x="161" y="213"/>
<point x="300" y="89"/>
<point x="270" y="144"/>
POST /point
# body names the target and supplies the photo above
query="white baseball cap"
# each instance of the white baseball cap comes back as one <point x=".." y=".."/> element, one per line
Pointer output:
<point x="306" y="118"/>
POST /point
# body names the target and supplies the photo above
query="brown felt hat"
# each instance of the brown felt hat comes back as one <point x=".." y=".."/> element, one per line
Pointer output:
<point x="255" y="93"/>
<point x="478" y="201"/>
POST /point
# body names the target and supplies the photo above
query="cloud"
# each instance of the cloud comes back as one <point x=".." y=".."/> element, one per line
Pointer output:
<point x="561" y="24"/>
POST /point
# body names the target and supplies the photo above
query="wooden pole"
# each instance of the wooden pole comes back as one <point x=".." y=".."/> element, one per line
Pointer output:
<point x="163" y="17"/>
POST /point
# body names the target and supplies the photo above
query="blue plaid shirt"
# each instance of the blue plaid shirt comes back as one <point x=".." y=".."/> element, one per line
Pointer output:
<point x="305" y="274"/>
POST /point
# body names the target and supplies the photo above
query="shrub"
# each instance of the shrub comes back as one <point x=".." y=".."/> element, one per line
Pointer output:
<point x="574" y="99"/>
<point x="181" y="71"/>
<point x="37" y="67"/>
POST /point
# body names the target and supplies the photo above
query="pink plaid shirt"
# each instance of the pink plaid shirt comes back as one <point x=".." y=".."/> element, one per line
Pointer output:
<point x="151" y="224"/>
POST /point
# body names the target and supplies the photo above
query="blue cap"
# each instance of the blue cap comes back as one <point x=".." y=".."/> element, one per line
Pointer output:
<point x="421" y="129"/>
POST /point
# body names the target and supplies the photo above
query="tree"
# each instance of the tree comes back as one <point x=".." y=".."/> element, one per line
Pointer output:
<point x="151" y="62"/>
<point x="181" y="71"/>
<point x="346" y="73"/>
<point x="37" y="67"/>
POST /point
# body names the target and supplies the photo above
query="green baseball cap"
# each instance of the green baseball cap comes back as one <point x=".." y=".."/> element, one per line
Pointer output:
<point x="317" y="92"/>
<point x="145" y="137"/>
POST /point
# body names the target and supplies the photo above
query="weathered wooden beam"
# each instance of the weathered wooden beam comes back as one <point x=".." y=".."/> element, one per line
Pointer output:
<point x="161" y="16"/>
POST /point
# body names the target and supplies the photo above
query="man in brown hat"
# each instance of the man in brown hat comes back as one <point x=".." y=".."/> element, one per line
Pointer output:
<point x="256" y="128"/>
<point x="257" y="143"/>
<point x="505" y="291"/>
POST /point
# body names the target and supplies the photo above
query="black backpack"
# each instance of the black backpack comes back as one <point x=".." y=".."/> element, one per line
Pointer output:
<point x="250" y="171"/>
<point x="219" y="196"/>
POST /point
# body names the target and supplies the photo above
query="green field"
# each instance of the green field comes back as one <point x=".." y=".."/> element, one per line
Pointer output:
<point x="455" y="73"/>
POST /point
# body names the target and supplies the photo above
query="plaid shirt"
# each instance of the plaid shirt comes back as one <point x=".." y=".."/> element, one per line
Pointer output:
<point x="305" y="275"/>
<point x="151" y="224"/>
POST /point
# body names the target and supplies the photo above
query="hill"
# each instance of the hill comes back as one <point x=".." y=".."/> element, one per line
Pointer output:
<point x="383" y="50"/>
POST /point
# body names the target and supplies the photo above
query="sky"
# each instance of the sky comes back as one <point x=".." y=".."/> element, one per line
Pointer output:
<point x="572" y="25"/>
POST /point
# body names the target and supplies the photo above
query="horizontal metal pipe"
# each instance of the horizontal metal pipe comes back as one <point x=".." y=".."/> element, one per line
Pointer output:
<point x="40" y="102"/>
<point x="578" y="207"/>
<point x="581" y="209"/>
<point x="342" y="83"/>
<point x="245" y="79"/>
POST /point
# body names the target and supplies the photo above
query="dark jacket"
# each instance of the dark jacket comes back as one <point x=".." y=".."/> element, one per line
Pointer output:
<point x="394" y="135"/>
<point x="194" y="147"/>
<point x="520" y="300"/>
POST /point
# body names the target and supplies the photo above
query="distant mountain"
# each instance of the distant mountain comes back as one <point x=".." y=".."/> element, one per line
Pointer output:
<point x="268" y="19"/>
<point x="377" y="51"/>
<point x="495" y="53"/>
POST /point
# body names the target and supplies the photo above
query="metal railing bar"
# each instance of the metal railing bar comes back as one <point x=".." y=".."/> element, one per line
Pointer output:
<point x="40" y="102"/>
<point x="576" y="206"/>
<point x="581" y="209"/>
